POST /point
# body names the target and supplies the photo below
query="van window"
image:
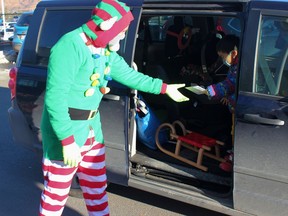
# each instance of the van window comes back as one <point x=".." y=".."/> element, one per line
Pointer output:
<point x="56" y="23"/>
<point x="54" y="27"/>
<point x="158" y="26"/>
<point x="272" y="68"/>
<point x="228" y="25"/>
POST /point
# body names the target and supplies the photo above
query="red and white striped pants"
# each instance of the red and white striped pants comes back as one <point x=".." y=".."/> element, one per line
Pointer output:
<point x="91" y="172"/>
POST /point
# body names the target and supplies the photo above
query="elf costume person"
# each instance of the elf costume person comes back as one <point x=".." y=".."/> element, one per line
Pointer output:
<point x="81" y="64"/>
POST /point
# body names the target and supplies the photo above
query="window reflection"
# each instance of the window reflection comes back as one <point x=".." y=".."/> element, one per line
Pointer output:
<point x="272" y="74"/>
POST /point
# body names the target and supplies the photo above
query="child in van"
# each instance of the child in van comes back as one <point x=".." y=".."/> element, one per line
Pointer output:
<point x="227" y="49"/>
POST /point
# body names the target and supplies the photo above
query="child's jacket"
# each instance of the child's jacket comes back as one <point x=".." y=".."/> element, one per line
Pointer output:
<point x="226" y="88"/>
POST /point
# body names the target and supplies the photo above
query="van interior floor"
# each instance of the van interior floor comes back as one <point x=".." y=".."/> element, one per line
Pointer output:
<point x="158" y="164"/>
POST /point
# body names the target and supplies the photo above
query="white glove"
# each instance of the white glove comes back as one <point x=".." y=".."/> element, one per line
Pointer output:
<point x="174" y="94"/>
<point x="71" y="154"/>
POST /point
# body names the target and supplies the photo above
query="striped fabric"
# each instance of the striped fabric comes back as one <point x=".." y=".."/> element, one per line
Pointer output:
<point x="108" y="9"/>
<point x="226" y="88"/>
<point x="103" y="11"/>
<point x="91" y="173"/>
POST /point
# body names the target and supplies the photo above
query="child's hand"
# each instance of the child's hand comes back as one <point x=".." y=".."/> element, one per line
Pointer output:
<point x="224" y="101"/>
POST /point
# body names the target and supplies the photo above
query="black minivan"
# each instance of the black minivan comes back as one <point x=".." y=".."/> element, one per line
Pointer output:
<point x="258" y="182"/>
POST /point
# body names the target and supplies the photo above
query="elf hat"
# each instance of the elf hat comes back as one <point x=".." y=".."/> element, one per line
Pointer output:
<point x="109" y="18"/>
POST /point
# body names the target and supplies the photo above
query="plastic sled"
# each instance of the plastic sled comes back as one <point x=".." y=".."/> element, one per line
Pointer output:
<point x="203" y="145"/>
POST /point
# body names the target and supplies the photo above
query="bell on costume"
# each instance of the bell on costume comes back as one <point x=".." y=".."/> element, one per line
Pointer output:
<point x="104" y="90"/>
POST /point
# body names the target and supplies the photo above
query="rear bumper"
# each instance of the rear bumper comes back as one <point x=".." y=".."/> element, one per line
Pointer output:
<point x="21" y="131"/>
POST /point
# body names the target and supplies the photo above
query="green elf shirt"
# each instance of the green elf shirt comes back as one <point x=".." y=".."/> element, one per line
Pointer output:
<point x="71" y="83"/>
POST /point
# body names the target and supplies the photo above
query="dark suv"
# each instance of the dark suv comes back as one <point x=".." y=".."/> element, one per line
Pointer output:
<point x="259" y="180"/>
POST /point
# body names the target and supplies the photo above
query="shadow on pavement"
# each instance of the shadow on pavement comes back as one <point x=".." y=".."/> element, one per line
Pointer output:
<point x="20" y="171"/>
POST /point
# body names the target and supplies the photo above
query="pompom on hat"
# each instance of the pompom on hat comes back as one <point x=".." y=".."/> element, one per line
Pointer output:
<point x="109" y="18"/>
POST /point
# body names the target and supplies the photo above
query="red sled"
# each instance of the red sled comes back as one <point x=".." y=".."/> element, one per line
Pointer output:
<point x="203" y="145"/>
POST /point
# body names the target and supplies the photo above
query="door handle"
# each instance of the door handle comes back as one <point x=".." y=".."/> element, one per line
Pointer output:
<point x="111" y="97"/>
<point x="256" y="118"/>
<point x="134" y="66"/>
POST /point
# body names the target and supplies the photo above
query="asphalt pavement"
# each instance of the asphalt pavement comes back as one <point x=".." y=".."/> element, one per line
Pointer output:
<point x="21" y="178"/>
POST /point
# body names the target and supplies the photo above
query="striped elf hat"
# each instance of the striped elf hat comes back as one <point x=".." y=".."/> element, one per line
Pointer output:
<point x="109" y="18"/>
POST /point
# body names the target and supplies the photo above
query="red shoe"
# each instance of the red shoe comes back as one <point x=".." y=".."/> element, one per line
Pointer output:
<point x="226" y="166"/>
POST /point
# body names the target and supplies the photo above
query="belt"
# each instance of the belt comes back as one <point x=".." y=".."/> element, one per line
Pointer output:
<point x="79" y="114"/>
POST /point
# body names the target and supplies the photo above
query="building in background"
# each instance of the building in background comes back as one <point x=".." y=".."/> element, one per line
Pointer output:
<point x="18" y="6"/>
<point x="11" y="10"/>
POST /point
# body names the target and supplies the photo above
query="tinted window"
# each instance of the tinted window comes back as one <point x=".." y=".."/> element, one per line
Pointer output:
<point x="228" y="25"/>
<point x="158" y="26"/>
<point x="55" y="24"/>
<point x="272" y="67"/>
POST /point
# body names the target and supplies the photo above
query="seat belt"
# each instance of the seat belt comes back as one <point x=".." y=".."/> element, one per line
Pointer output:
<point x="203" y="59"/>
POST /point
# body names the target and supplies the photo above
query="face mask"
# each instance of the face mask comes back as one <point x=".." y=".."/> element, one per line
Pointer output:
<point x="226" y="63"/>
<point x="225" y="60"/>
<point x="114" y="44"/>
